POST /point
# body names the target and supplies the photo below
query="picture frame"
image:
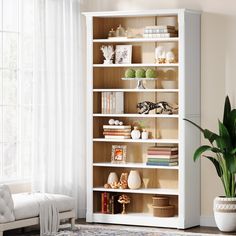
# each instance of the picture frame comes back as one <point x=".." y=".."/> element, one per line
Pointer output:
<point x="118" y="154"/>
<point x="123" y="54"/>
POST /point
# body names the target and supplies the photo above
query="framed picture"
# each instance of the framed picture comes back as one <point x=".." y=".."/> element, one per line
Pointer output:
<point x="118" y="154"/>
<point x="123" y="54"/>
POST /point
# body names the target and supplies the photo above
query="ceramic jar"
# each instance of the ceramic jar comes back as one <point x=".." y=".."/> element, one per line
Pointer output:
<point x="144" y="134"/>
<point x="225" y="213"/>
<point x="135" y="133"/>
<point x="134" y="180"/>
<point x="112" y="178"/>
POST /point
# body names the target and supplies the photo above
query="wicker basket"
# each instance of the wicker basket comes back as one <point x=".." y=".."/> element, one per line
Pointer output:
<point x="160" y="201"/>
<point x="163" y="211"/>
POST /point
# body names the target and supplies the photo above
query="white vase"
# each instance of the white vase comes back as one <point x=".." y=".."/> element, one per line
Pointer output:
<point x="135" y="133"/>
<point x="134" y="180"/>
<point x="112" y="177"/>
<point x="144" y="134"/>
<point x="225" y="213"/>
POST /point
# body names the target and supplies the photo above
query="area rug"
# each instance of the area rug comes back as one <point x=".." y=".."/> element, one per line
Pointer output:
<point x="113" y="230"/>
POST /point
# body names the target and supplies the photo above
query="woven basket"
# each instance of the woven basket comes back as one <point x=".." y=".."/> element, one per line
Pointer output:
<point x="160" y="201"/>
<point x="163" y="211"/>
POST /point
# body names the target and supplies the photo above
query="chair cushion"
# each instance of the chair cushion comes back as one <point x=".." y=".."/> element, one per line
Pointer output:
<point x="6" y="205"/>
<point x="26" y="205"/>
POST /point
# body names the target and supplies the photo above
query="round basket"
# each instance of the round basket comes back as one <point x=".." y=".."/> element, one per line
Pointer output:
<point x="160" y="201"/>
<point x="164" y="211"/>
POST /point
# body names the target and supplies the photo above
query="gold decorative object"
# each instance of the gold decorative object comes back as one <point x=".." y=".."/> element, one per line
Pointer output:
<point x="115" y="185"/>
<point x="107" y="186"/>
<point x="111" y="33"/>
<point x="123" y="181"/>
<point x="124" y="199"/>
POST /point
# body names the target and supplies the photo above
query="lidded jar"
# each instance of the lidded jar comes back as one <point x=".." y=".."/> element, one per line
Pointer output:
<point x="135" y="133"/>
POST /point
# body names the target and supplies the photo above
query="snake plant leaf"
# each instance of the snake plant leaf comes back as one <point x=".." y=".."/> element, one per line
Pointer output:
<point x="231" y="126"/>
<point x="227" y="110"/>
<point x="216" y="164"/>
<point x="206" y="132"/>
<point x="216" y="150"/>
<point x="230" y="162"/>
<point x="225" y="139"/>
<point x="200" y="150"/>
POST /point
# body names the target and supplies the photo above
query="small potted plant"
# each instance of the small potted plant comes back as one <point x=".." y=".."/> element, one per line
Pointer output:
<point x="221" y="151"/>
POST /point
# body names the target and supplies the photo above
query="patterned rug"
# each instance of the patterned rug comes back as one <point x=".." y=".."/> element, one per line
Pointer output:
<point x="112" y="230"/>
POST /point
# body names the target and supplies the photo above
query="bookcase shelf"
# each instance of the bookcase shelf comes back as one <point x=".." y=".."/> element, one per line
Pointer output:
<point x="159" y="141"/>
<point x="181" y="183"/>
<point x="138" y="90"/>
<point x="137" y="65"/>
<point x="137" y="115"/>
<point x="136" y="40"/>
<point x="152" y="191"/>
<point x="134" y="165"/>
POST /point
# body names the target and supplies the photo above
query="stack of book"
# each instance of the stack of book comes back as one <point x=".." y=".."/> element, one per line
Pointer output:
<point x="110" y="204"/>
<point x="160" y="31"/>
<point x="112" y="102"/>
<point x="117" y="131"/>
<point x="162" y="156"/>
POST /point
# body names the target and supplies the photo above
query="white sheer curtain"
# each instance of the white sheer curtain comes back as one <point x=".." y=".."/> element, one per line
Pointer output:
<point x="59" y="101"/>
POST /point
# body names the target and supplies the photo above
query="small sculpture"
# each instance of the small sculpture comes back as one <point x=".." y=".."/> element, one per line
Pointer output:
<point x="146" y="106"/>
<point x="107" y="185"/>
<point x="115" y="122"/>
<point x="123" y="181"/>
<point x="170" y="57"/>
<point x="160" y="55"/>
<point x="108" y="53"/>
<point x="124" y="199"/>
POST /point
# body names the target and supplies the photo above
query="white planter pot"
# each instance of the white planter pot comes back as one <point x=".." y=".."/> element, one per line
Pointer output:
<point x="225" y="213"/>
<point x="135" y="133"/>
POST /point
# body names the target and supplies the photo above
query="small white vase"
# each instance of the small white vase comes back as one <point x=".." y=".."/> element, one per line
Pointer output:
<point x="134" y="180"/>
<point x="135" y="133"/>
<point x="225" y="213"/>
<point x="107" y="62"/>
<point x="112" y="177"/>
<point x="144" y="134"/>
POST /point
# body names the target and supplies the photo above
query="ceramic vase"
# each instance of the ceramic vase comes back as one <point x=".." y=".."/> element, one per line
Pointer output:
<point x="134" y="180"/>
<point x="225" y="213"/>
<point x="135" y="133"/>
<point x="112" y="177"/>
<point x="144" y="134"/>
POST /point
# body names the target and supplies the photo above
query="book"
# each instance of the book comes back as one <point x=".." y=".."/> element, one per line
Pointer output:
<point x="116" y="126"/>
<point x="115" y="207"/>
<point x="159" y="31"/>
<point x="162" y="164"/>
<point x="118" y="103"/>
<point x="112" y="102"/>
<point x="105" y="205"/>
<point x="162" y="160"/>
<point x="163" y="148"/>
<point x="162" y="156"/>
<point x="160" y="27"/>
<point x="164" y="35"/>
<point x="117" y="137"/>
<point x="116" y="133"/>
<point x="117" y="130"/>
<point x="159" y="152"/>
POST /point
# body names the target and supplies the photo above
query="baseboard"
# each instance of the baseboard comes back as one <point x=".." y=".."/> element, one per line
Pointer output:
<point x="207" y="221"/>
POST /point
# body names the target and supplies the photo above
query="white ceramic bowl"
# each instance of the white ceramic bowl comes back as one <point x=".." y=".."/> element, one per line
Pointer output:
<point x="169" y="84"/>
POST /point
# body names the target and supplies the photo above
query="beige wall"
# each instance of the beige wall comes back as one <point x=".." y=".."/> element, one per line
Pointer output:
<point x="218" y="50"/>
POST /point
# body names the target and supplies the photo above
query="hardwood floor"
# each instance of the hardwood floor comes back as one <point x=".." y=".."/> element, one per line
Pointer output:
<point x="200" y="230"/>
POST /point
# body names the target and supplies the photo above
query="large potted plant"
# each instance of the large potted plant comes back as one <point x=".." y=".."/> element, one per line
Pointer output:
<point x="221" y="152"/>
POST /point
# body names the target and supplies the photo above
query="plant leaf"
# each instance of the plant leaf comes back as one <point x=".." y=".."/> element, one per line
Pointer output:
<point x="230" y="162"/>
<point x="225" y="139"/>
<point x="200" y="150"/>
<point x="227" y="110"/>
<point x="206" y="132"/>
<point x="216" y="164"/>
<point x="231" y="126"/>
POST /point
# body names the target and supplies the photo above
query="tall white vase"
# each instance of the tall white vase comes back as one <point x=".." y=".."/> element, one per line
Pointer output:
<point x="112" y="177"/>
<point x="134" y="180"/>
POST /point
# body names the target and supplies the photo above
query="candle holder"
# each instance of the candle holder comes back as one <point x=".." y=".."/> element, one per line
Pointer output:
<point x="124" y="199"/>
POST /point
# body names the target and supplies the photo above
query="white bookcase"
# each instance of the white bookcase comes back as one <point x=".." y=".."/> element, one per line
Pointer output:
<point x="181" y="183"/>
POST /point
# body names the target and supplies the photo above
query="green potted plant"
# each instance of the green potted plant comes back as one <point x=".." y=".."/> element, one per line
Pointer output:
<point x="221" y="152"/>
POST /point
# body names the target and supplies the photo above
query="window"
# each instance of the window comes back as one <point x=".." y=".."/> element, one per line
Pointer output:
<point x="16" y="80"/>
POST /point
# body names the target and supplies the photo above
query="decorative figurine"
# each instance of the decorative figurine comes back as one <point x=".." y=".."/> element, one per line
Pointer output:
<point x="108" y="53"/>
<point x="144" y="134"/>
<point x="160" y="55"/>
<point x="146" y="106"/>
<point x="115" y="122"/>
<point x="121" y="32"/>
<point x="124" y="181"/>
<point x="124" y="199"/>
<point x="111" y="33"/>
<point x="170" y="57"/>
<point x="135" y="133"/>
